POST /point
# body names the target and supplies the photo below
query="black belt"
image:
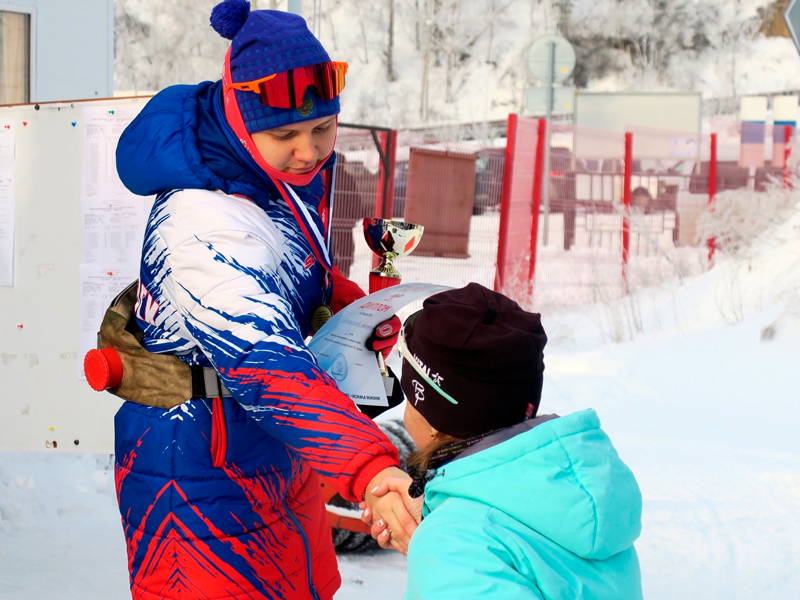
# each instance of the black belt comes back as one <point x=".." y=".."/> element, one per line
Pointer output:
<point x="207" y="384"/>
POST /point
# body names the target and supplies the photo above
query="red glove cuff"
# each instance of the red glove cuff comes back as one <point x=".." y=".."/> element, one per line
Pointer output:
<point x="344" y="291"/>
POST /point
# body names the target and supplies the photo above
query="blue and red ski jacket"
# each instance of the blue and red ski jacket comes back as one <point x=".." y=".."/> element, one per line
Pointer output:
<point x="221" y="498"/>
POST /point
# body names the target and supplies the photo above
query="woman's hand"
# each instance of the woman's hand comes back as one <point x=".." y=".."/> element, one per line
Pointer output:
<point x="380" y="531"/>
<point x="393" y="513"/>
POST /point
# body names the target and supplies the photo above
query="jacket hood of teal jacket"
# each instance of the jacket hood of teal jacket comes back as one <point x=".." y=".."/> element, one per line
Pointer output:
<point x="560" y="477"/>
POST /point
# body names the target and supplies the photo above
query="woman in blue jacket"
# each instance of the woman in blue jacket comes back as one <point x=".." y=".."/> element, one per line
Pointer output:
<point x="516" y="506"/>
<point x="220" y="495"/>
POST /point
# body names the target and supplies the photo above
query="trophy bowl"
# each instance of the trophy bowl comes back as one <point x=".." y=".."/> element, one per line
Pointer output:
<point x="389" y="240"/>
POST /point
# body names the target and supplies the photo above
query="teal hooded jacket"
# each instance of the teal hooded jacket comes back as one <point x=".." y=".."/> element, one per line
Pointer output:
<point x="543" y="510"/>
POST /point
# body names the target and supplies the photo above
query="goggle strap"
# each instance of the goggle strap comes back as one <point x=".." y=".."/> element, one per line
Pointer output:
<point x="250" y="86"/>
<point x="290" y="78"/>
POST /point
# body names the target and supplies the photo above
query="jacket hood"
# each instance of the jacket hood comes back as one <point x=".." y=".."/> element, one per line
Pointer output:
<point x="181" y="140"/>
<point x="561" y="477"/>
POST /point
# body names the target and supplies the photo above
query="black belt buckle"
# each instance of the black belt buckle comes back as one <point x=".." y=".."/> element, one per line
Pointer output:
<point x="207" y="384"/>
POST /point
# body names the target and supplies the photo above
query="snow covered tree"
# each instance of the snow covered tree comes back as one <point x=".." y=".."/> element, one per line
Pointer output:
<point x="157" y="44"/>
<point x="450" y="60"/>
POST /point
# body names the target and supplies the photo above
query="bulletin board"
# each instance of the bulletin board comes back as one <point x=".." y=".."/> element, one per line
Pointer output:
<point x="74" y="240"/>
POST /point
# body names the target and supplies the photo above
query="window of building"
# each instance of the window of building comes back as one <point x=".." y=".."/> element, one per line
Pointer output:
<point x="15" y="57"/>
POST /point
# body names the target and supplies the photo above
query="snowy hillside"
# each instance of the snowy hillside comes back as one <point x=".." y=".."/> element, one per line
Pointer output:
<point x="702" y="405"/>
<point x="459" y="61"/>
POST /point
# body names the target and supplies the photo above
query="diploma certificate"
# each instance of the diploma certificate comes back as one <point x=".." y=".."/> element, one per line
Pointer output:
<point x="339" y="344"/>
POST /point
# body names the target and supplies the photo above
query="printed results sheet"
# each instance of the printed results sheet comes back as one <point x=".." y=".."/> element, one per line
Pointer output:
<point x="113" y="220"/>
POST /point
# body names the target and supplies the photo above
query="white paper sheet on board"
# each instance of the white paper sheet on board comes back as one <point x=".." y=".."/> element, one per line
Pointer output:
<point x="112" y="230"/>
<point x="7" y="201"/>
<point x="99" y="286"/>
<point x="113" y="218"/>
<point x="102" y="127"/>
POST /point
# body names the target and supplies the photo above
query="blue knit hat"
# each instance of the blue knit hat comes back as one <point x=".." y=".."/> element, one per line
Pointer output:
<point x="265" y="42"/>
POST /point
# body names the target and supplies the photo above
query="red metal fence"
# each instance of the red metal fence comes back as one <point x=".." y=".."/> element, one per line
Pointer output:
<point x="364" y="188"/>
<point x="630" y="217"/>
<point x="448" y="180"/>
<point x="519" y="207"/>
<point x="615" y="213"/>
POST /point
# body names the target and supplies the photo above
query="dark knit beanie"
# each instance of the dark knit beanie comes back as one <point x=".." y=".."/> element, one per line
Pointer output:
<point x="482" y="350"/>
<point x="265" y="42"/>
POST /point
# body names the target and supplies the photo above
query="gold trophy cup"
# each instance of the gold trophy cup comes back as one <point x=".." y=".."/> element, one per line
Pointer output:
<point x="390" y="240"/>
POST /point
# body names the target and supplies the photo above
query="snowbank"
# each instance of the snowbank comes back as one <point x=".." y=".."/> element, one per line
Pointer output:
<point x="701" y="403"/>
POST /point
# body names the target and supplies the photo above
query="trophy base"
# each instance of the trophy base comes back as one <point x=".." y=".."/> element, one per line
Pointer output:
<point x="377" y="282"/>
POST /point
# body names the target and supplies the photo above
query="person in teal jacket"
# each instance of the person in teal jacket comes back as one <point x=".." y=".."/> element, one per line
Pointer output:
<point x="515" y="506"/>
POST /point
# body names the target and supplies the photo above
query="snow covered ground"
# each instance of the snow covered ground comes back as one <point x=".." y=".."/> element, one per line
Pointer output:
<point x="701" y="403"/>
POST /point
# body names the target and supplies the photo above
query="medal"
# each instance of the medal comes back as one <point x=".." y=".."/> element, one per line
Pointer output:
<point x="320" y="316"/>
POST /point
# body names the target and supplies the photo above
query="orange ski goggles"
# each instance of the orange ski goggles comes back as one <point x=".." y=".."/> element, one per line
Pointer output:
<point x="287" y="89"/>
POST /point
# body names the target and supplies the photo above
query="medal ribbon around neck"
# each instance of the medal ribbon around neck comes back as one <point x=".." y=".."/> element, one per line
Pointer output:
<point x="318" y="240"/>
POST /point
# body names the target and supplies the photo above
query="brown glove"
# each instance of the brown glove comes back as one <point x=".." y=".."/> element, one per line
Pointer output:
<point x="158" y="380"/>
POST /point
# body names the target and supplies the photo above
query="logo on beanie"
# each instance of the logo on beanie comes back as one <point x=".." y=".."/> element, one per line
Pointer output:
<point x="422" y="366"/>
<point x="307" y="107"/>
<point x="435" y="377"/>
<point x="419" y="391"/>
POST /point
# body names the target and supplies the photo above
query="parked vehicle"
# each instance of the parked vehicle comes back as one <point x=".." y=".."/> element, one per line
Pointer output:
<point x="768" y="176"/>
<point x="730" y="176"/>
<point x="488" y="179"/>
<point x="366" y="183"/>
<point x="400" y="182"/>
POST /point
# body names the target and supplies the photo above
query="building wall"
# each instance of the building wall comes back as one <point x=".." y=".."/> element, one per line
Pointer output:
<point x="72" y="47"/>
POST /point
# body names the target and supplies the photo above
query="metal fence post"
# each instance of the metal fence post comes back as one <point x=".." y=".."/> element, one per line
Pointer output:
<point x="712" y="194"/>
<point x="386" y="144"/>
<point x="391" y="151"/>
<point x="787" y="152"/>
<point x="626" y="205"/>
<point x="505" y="204"/>
<point x="384" y="191"/>
<point x="538" y="181"/>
